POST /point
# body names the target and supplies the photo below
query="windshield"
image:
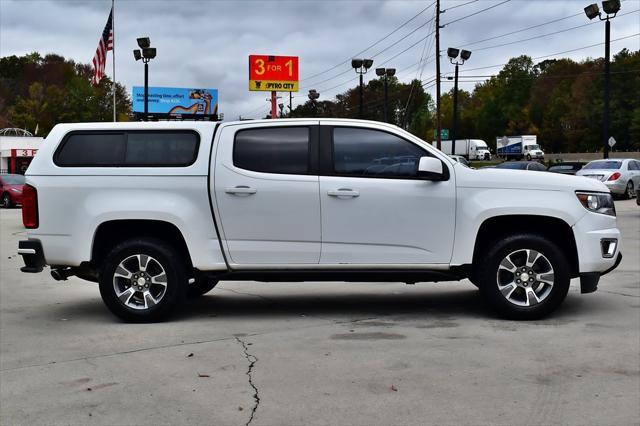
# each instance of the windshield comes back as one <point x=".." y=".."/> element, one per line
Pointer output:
<point x="532" y="147"/>
<point x="563" y="167"/>
<point x="604" y="165"/>
<point x="520" y="166"/>
<point x="13" y="179"/>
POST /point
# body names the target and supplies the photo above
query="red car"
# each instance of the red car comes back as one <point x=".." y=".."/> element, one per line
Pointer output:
<point x="11" y="190"/>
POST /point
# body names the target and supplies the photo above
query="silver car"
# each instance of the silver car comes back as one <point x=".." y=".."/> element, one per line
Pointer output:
<point x="621" y="175"/>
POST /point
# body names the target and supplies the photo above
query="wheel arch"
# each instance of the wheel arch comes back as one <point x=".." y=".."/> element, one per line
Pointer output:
<point x="552" y="228"/>
<point x="110" y="233"/>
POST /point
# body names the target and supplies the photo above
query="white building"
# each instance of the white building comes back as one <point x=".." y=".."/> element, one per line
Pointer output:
<point x="17" y="149"/>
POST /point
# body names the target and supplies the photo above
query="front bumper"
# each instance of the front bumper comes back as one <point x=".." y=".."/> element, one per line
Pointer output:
<point x="32" y="255"/>
<point x="589" y="280"/>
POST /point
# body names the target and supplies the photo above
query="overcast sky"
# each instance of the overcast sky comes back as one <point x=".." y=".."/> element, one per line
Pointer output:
<point x="206" y="43"/>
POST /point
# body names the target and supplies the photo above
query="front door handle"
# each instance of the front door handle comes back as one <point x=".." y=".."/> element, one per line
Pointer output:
<point x="241" y="190"/>
<point x="343" y="192"/>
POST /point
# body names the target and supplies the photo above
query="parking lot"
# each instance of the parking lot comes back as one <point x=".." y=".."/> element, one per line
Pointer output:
<point x="319" y="353"/>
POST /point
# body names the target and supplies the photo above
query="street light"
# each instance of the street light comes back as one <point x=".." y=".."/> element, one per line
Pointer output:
<point x="361" y="66"/>
<point x="146" y="53"/>
<point x="313" y="96"/>
<point x="452" y="53"/>
<point x="386" y="72"/>
<point x="611" y="8"/>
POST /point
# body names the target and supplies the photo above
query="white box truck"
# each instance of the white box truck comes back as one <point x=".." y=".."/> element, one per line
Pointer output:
<point x="519" y="147"/>
<point x="471" y="149"/>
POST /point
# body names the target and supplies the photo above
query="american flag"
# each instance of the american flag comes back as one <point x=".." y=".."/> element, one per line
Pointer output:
<point x="104" y="45"/>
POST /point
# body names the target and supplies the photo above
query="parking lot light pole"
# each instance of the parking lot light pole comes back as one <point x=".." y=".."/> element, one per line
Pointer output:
<point x="386" y="72"/>
<point x="313" y="96"/>
<point x="464" y="55"/>
<point x="146" y="53"/>
<point x="611" y="8"/>
<point x="361" y="66"/>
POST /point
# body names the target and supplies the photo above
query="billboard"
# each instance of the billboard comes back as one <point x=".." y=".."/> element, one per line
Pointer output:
<point x="269" y="73"/>
<point x="176" y="100"/>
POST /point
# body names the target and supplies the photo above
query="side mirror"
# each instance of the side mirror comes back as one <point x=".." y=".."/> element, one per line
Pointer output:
<point x="431" y="168"/>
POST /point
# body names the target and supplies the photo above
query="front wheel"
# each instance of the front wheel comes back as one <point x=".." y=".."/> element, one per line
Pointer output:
<point x="528" y="157"/>
<point x="143" y="280"/>
<point x="524" y="277"/>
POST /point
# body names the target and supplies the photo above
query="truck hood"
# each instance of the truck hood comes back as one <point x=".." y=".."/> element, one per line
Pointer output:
<point x="525" y="180"/>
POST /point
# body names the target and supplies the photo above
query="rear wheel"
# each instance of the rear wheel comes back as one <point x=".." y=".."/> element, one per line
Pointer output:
<point x="143" y="280"/>
<point x="630" y="192"/>
<point x="524" y="277"/>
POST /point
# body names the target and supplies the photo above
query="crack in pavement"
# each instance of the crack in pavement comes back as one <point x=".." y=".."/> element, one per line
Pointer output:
<point x="619" y="294"/>
<point x="252" y="362"/>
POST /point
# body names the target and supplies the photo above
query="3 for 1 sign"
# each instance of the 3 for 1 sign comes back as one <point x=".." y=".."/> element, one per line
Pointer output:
<point x="273" y="73"/>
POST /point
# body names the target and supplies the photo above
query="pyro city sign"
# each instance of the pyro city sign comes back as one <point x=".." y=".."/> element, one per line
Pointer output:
<point x="273" y="73"/>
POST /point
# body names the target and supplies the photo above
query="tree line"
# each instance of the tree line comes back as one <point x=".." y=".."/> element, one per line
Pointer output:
<point x="39" y="92"/>
<point x="560" y="100"/>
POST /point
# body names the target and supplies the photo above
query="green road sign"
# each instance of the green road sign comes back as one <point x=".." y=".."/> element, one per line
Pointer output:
<point x="444" y="134"/>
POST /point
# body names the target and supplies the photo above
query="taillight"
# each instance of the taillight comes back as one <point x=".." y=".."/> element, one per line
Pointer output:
<point x="29" y="207"/>
<point x="614" y="176"/>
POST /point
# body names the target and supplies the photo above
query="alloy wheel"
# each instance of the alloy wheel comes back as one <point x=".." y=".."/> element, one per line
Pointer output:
<point x="140" y="281"/>
<point x="630" y="190"/>
<point x="525" y="277"/>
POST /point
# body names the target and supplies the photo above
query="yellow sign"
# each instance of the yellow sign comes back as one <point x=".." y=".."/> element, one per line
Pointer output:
<point x="273" y="85"/>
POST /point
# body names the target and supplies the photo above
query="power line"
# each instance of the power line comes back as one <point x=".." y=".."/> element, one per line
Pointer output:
<point x="547" y="34"/>
<point x="373" y="56"/>
<point x="521" y="30"/>
<point x="476" y="13"/>
<point x="374" y="44"/>
<point x="552" y="54"/>
<point x="458" y="5"/>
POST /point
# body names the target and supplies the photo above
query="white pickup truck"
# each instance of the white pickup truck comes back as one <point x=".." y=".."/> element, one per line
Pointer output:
<point x="158" y="212"/>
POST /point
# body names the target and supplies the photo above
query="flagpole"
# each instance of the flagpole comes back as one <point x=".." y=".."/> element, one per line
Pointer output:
<point x="113" y="52"/>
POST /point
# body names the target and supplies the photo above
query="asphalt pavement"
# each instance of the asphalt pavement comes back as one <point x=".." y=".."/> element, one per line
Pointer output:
<point x="319" y="353"/>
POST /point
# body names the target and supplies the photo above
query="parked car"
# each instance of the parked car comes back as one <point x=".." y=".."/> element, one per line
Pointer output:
<point x="566" y="168"/>
<point x="159" y="211"/>
<point x="11" y="190"/>
<point x="460" y="159"/>
<point x="622" y="176"/>
<point x="521" y="165"/>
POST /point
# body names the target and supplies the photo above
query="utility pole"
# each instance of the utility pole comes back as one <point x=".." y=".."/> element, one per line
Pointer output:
<point x="438" y="129"/>
<point x="607" y="43"/>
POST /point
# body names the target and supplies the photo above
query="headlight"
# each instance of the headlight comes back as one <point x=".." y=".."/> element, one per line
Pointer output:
<point x="597" y="202"/>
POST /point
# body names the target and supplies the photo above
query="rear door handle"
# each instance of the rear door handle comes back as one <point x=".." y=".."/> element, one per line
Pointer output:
<point x="343" y="192"/>
<point x="241" y="190"/>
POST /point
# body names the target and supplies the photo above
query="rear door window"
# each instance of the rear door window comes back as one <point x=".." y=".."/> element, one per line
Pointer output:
<point x="281" y="150"/>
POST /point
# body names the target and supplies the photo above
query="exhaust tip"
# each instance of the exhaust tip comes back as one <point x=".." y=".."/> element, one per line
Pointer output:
<point x="58" y="275"/>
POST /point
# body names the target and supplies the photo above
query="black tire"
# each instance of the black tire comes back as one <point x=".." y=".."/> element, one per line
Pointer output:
<point x="201" y="287"/>
<point x="630" y="191"/>
<point x="489" y="276"/>
<point x="5" y="201"/>
<point x="528" y="157"/>
<point x="175" y="279"/>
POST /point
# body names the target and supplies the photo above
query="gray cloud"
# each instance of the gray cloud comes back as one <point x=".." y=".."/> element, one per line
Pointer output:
<point x="206" y="43"/>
